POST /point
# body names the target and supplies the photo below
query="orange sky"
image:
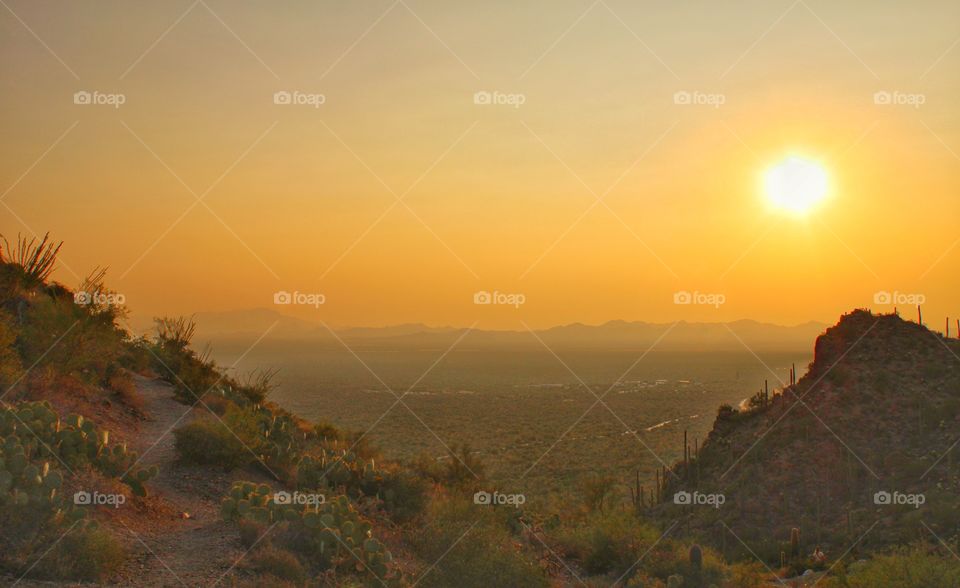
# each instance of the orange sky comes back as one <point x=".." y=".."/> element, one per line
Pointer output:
<point x="494" y="197"/>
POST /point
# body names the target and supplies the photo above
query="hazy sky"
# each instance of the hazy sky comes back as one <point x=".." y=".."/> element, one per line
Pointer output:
<point x="493" y="197"/>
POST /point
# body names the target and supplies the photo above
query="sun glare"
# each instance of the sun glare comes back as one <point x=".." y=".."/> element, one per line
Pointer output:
<point x="796" y="185"/>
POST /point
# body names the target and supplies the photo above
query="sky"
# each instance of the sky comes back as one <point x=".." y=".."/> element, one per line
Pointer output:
<point x="579" y="161"/>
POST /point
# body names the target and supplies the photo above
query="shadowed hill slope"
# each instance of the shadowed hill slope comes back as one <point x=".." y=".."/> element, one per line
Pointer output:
<point x="855" y="454"/>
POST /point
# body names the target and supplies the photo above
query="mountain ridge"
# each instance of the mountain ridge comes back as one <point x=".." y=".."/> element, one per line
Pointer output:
<point x="618" y="333"/>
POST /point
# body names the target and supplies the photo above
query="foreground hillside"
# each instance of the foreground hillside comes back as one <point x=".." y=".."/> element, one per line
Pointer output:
<point x="855" y="455"/>
<point x="138" y="462"/>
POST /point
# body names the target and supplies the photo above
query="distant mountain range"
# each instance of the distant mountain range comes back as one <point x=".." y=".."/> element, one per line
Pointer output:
<point x="683" y="335"/>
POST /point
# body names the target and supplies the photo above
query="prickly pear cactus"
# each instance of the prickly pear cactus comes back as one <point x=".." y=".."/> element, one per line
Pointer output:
<point x="73" y="440"/>
<point x="342" y="470"/>
<point x="334" y="534"/>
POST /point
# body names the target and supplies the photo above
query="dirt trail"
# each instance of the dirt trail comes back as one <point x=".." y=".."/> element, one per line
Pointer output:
<point x="167" y="549"/>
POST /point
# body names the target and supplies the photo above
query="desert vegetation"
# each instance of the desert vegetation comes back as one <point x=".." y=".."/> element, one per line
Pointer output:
<point x="311" y="504"/>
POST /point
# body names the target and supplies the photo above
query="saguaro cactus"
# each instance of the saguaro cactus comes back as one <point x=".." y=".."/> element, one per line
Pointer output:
<point x="696" y="558"/>
<point x="795" y="542"/>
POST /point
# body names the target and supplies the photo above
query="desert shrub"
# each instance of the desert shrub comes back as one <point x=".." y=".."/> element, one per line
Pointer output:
<point x="89" y="554"/>
<point x="265" y="582"/>
<point x="209" y="442"/>
<point x="123" y="385"/>
<point x="279" y="564"/>
<point x="272" y="435"/>
<point x="596" y="488"/>
<point x="461" y="469"/>
<point x="326" y="536"/>
<point x="65" y="336"/>
<point x="606" y="543"/>
<point x="916" y="567"/>
<point x="192" y="374"/>
<point x="258" y="385"/>
<point x="175" y="332"/>
<point x="404" y="495"/>
<point x="137" y="356"/>
<point x="483" y="556"/>
<point x="671" y="558"/>
<point x="216" y="401"/>
<point x="746" y="575"/>
<point x="33" y="261"/>
<point x="611" y="545"/>
<point x="328" y="432"/>
<point x="10" y="365"/>
<point x="250" y="532"/>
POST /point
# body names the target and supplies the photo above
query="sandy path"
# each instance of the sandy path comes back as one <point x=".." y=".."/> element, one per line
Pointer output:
<point x="173" y="551"/>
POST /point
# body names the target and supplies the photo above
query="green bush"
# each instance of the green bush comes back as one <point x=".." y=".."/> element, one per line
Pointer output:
<point x="65" y="336"/>
<point x="89" y="554"/>
<point x="326" y="536"/>
<point x="209" y="442"/>
<point x="461" y="469"/>
<point x="10" y="364"/>
<point x="191" y="374"/>
<point x="278" y="563"/>
<point x="483" y="556"/>
<point x="404" y="495"/>
<point x="917" y="567"/>
<point x="606" y="543"/>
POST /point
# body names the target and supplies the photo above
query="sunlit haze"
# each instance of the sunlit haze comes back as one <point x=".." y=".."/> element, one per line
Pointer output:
<point x="397" y="159"/>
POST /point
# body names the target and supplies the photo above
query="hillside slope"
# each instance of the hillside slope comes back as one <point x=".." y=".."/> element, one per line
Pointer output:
<point x="877" y="412"/>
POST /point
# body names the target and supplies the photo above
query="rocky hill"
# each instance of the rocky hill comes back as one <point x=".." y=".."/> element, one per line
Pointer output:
<point x="854" y="455"/>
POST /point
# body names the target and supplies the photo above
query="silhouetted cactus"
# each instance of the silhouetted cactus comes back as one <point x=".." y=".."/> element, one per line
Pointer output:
<point x="696" y="558"/>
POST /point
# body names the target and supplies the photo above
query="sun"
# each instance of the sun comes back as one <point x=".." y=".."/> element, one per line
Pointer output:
<point x="796" y="185"/>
